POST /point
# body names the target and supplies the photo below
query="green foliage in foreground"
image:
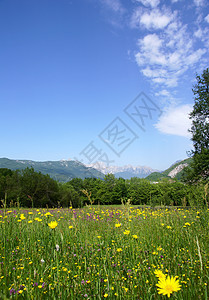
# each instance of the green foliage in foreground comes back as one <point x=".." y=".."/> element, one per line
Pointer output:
<point x="98" y="253"/>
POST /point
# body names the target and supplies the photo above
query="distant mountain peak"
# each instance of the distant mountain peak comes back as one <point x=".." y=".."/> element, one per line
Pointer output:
<point x="126" y="171"/>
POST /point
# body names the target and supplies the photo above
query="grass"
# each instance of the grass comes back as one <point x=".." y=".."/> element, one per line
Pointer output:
<point x="102" y="252"/>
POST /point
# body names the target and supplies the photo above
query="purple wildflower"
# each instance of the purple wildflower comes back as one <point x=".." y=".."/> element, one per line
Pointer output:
<point x="12" y="291"/>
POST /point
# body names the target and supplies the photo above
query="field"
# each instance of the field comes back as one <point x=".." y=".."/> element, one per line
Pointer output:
<point x="104" y="252"/>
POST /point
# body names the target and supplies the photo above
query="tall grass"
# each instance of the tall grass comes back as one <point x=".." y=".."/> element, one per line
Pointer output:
<point x="102" y="252"/>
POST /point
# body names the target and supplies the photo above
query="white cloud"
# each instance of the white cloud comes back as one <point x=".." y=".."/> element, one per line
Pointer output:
<point x="114" y="5"/>
<point x="207" y="18"/>
<point x="163" y="93"/>
<point x="199" y="2"/>
<point x="154" y="19"/>
<point x="165" y="56"/>
<point x="152" y="3"/>
<point x="175" y="121"/>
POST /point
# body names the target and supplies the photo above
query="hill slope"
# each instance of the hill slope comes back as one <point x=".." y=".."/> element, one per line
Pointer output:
<point x="62" y="170"/>
<point x="174" y="171"/>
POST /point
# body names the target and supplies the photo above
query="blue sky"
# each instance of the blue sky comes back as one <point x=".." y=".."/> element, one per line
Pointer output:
<point x="100" y="80"/>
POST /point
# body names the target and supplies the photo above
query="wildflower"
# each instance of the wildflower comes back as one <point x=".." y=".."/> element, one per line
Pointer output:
<point x="135" y="236"/>
<point x="168" y="285"/>
<point x="105" y="295"/>
<point x="159" y="274"/>
<point x="12" y="291"/>
<point x="42" y="260"/>
<point x="57" y="247"/>
<point x="126" y="232"/>
<point x="35" y="284"/>
<point x="48" y="214"/>
<point x="70" y="227"/>
<point x="119" y="250"/>
<point x="22" y="217"/>
<point x="53" y="224"/>
<point x="117" y="225"/>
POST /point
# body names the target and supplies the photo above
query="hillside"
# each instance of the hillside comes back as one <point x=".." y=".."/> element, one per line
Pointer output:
<point x="174" y="171"/>
<point x="156" y="176"/>
<point x="63" y="170"/>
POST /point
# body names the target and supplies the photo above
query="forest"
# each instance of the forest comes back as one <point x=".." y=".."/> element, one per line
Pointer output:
<point x="27" y="188"/>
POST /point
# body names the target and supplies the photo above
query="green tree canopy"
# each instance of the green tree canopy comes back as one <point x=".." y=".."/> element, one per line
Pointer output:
<point x="199" y="168"/>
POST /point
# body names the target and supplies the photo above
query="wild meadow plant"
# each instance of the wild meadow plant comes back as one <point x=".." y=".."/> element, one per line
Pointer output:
<point x="100" y="252"/>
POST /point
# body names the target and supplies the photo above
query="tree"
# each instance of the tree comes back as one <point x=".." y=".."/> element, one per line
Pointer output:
<point x="199" y="168"/>
<point x="200" y="113"/>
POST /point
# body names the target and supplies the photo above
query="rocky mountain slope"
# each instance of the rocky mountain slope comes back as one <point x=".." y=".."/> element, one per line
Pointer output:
<point x="174" y="171"/>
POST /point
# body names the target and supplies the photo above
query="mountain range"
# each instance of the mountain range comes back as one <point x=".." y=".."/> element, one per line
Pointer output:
<point x="62" y="170"/>
<point x="126" y="171"/>
<point x="65" y="170"/>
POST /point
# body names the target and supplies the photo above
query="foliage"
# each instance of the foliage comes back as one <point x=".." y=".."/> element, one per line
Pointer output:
<point x="200" y="113"/>
<point x="199" y="168"/>
<point x="33" y="189"/>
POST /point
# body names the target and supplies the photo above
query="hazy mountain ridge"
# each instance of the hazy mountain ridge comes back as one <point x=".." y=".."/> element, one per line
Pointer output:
<point x="126" y="171"/>
<point x="63" y="170"/>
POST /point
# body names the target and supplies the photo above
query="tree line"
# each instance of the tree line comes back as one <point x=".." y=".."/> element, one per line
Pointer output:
<point x="28" y="188"/>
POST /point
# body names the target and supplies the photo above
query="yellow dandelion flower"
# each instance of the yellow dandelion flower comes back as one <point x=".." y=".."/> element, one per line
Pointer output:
<point x="117" y="225"/>
<point x="119" y="250"/>
<point x="53" y="224"/>
<point x="105" y="295"/>
<point x="70" y="227"/>
<point x="126" y="232"/>
<point x="159" y="274"/>
<point x="22" y="217"/>
<point x="167" y="286"/>
<point x="135" y="236"/>
<point x="48" y="214"/>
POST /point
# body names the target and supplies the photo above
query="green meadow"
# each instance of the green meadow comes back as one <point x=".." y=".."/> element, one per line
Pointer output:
<point x="104" y="252"/>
